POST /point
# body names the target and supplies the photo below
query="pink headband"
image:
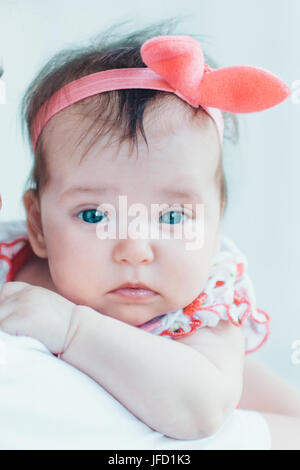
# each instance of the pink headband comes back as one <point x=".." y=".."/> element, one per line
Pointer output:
<point x="176" y="64"/>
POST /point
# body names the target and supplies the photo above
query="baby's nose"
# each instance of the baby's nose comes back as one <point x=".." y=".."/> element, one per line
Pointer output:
<point x="133" y="251"/>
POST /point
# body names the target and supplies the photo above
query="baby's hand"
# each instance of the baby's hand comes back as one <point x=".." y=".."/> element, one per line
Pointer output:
<point x="27" y="310"/>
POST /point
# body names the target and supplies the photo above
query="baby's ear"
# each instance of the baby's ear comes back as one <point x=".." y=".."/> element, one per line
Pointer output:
<point x="34" y="223"/>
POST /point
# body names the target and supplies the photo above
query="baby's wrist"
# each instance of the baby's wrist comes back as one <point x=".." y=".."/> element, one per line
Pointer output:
<point x="84" y="325"/>
<point x="81" y="316"/>
<point x="72" y="330"/>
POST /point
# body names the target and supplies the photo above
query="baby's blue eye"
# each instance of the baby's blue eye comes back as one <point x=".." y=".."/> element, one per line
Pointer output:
<point x="92" y="216"/>
<point x="95" y="216"/>
<point x="172" y="219"/>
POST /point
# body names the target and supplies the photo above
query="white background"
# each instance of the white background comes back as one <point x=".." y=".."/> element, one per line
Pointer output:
<point x="262" y="170"/>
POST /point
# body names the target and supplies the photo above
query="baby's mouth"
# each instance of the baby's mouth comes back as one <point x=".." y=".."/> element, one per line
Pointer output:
<point x="134" y="293"/>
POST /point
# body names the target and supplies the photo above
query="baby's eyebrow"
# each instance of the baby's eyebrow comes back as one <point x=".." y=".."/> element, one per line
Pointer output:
<point x="182" y="194"/>
<point x="179" y="193"/>
<point x="80" y="189"/>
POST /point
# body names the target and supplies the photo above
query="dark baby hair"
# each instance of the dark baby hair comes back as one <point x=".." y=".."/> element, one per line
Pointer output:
<point x="119" y="111"/>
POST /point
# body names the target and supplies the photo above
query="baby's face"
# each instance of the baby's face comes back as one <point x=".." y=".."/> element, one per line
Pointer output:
<point x="85" y="268"/>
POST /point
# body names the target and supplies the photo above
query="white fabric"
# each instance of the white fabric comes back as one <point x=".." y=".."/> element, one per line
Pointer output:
<point x="47" y="404"/>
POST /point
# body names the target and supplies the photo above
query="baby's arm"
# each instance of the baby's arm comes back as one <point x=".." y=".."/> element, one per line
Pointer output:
<point x="265" y="391"/>
<point x="184" y="391"/>
<point x="278" y="401"/>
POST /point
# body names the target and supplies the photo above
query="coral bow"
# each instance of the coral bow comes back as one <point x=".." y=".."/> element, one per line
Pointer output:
<point x="237" y="89"/>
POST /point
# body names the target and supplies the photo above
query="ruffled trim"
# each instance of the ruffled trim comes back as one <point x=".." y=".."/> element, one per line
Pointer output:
<point x="13" y="255"/>
<point x="227" y="295"/>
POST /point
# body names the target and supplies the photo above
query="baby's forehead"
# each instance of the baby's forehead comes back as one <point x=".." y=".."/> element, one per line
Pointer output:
<point x="162" y="116"/>
<point x="173" y="136"/>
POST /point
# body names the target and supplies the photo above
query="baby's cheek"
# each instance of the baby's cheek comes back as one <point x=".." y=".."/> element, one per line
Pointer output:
<point x="196" y="270"/>
<point x="196" y="279"/>
<point x="75" y="271"/>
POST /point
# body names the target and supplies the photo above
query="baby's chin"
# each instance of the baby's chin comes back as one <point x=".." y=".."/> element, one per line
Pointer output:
<point x="135" y="315"/>
<point x="133" y="319"/>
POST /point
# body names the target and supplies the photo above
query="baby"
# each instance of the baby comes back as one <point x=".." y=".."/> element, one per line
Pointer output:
<point x="91" y="291"/>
